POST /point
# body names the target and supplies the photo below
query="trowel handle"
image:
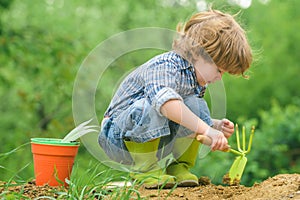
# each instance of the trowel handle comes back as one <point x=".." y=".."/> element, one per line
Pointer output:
<point x="204" y="139"/>
<point x="207" y="141"/>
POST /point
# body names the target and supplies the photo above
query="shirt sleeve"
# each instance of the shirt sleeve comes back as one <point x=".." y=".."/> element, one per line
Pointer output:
<point x="161" y="84"/>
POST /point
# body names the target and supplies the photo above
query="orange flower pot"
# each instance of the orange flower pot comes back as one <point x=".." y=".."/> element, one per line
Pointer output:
<point x="53" y="160"/>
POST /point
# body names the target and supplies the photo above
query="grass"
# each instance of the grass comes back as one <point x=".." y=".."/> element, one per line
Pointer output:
<point x="89" y="180"/>
<point x="90" y="185"/>
<point x="93" y="184"/>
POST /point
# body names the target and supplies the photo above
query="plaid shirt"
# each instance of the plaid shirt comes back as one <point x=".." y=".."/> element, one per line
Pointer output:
<point x="164" y="77"/>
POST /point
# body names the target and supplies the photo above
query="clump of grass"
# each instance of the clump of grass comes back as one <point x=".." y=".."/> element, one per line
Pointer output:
<point x="92" y="182"/>
<point x="95" y="183"/>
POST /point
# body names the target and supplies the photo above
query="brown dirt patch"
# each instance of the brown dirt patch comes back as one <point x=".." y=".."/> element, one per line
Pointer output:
<point x="283" y="186"/>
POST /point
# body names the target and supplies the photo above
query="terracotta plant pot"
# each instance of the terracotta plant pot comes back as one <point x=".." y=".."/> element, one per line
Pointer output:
<point x="53" y="160"/>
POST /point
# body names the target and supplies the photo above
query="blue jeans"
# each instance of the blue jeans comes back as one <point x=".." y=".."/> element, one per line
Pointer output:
<point x="141" y="123"/>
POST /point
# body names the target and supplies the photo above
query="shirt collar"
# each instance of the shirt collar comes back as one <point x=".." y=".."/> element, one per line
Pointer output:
<point x="184" y="64"/>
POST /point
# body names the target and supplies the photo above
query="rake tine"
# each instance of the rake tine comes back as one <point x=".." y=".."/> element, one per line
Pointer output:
<point x="244" y="138"/>
<point x="250" y="139"/>
<point x="238" y="138"/>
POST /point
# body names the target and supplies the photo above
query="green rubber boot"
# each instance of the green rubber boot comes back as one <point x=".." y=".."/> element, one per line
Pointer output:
<point x="146" y="169"/>
<point x="185" y="150"/>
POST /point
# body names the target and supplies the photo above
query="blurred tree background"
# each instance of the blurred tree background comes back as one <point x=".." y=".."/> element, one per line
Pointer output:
<point x="44" y="42"/>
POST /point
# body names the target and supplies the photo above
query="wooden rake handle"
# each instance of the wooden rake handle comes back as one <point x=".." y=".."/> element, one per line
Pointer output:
<point x="207" y="141"/>
<point x="204" y="139"/>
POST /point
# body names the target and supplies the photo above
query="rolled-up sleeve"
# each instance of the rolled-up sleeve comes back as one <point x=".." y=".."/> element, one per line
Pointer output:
<point x="162" y="96"/>
<point x="161" y="84"/>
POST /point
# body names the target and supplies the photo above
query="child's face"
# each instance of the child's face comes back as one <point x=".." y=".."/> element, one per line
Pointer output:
<point x="207" y="73"/>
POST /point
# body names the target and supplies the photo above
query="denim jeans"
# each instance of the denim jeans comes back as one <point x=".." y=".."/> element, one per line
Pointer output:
<point x="141" y="123"/>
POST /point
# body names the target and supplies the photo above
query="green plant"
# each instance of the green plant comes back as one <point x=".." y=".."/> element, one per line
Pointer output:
<point x="276" y="143"/>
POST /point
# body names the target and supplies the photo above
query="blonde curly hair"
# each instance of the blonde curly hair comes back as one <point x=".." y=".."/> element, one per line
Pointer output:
<point x="218" y="38"/>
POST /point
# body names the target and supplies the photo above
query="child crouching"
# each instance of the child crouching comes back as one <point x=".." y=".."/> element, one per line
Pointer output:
<point x="159" y="108"/>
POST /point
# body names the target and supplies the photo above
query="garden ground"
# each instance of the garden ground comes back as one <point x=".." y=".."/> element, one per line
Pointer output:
<point x="282" y="186"/>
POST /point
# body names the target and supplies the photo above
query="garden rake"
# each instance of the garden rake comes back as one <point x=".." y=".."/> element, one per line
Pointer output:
<point x="236" y="170"/>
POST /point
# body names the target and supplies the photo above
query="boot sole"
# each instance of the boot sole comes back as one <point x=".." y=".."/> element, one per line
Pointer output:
<point x="188" y="183"/>
<point x="160" y="186"/>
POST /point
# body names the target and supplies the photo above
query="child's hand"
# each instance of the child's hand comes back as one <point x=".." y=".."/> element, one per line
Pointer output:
<point x="225" y="126"/>
<point x="219" y="141"/>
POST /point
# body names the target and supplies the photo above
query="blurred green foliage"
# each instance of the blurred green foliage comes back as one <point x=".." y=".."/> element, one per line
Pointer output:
<point x="276" y="142"/>
<point x="4" y="5"/>
<point x="43" y="43"/>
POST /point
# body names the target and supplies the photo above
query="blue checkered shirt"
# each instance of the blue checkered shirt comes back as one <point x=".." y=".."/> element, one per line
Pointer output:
<point x="164" y="77"/>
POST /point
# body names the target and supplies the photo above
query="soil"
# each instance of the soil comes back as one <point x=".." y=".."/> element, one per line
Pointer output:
<point x="282" y="186"/>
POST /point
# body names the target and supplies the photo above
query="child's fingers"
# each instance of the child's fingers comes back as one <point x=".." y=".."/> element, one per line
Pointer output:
<point x="227" y="127"/>
<point x="220" y="144"/>
<point x="227" y="131"/>
<point x="227" y="135"/>
<point x="228" y="123"/>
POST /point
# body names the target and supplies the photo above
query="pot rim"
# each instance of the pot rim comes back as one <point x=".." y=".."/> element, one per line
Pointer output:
<point x="53" y="141"/>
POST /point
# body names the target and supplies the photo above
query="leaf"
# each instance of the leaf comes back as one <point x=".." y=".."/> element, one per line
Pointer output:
<point x="79" y="131"/>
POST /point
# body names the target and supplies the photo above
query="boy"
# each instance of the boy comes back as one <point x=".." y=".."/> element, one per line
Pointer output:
<point x="159" y="108"/>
